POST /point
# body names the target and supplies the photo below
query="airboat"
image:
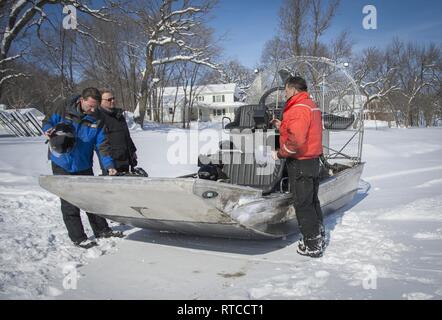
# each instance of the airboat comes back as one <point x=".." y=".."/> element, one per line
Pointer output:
<point x="239" y="191"/>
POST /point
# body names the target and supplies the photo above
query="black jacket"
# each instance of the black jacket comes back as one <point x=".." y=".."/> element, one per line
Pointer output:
<point x="121" y="145"/>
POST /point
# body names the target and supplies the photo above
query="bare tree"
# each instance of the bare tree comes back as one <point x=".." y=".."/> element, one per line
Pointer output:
<point x="38" y="89"/>
<point x="438" y="106"/>
<point x="294" y="17"/>
<point x="340" y="48"/>
<point x="275" y="51"/>
<point x="22" y="15"/>
<point x="189" y="76"/>
<point x="115" y="61"/>
<point x="57" y="54"/>
<point x="303" y="23"/>
<point x="321" y="21"/>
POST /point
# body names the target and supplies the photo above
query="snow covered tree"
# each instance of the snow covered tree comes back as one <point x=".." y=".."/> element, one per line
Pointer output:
<point x="235" y="72"/>
<point x="420" y="69"/>
<point x="403" y="76"/>
<point x="375" y="74"/>
<point x="172" y="24"/>
<point x="232" y="72"/>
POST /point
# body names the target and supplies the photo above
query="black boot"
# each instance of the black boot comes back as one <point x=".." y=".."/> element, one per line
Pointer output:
<point x="311" y="247"/>
<point x="324" y="237"/>
<point x="86" y="244"/>
<point x="110" y="233"/>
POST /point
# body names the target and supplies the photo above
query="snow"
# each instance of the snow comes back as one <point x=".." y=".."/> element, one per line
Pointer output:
<point x="384" y="245"/>
<point x="417" y="296"/>
<point x="429" y="235"/>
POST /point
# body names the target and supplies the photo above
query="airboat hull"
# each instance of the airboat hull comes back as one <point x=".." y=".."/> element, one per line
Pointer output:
<point x="196" y="206"/>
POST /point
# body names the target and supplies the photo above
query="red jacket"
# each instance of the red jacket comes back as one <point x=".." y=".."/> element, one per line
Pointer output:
<point x="301" y="129"/>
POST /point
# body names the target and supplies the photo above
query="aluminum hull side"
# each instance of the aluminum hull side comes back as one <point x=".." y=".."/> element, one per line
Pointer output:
<point x="178" y="205"/>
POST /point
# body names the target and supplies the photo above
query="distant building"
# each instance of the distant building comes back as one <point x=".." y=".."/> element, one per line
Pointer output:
<point x="342" y="105"/>
<point x="374" y="110"/>
<point x="378" y="110"/>
<point x="210" y="102"/>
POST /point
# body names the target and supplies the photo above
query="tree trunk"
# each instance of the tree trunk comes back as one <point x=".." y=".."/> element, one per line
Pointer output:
<point x="1" y="91"/>
<point x="409" y="116"/>
<point x="145" y="87"/>
<point x="393" y="112"/>
<point x="184" y="110"/>
<point x="155" y="109"/>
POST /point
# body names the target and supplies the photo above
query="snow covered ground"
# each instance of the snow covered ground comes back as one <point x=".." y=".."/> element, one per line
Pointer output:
<point x="385" y="245"/>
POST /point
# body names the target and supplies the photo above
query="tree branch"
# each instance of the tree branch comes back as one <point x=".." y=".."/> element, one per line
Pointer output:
<point x="12" y="76"/>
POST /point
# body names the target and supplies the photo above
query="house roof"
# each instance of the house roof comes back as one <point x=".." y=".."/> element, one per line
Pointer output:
<point x="203" y="90"/>
<point x="235" y="104"/>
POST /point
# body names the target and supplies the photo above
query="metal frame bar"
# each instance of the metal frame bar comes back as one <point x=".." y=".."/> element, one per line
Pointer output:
<point x="6" y="118"/>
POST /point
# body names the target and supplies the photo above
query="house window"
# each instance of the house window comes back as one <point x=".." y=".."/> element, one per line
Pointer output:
<point x="170" y="110"/>
<point x="214" y="112"/>
<point x="219" y="98"/>
<point x="200" y="98"/>
<point x="224" y="112"/>
<point x="218" y="112"/>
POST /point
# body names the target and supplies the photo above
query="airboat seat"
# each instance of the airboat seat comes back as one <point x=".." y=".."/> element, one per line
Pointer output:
<point x="240" y="166"/>
<point x="244" y="170"/>
<point x="245" y="117"/>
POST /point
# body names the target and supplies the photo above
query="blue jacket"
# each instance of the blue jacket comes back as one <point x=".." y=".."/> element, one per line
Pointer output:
<point x="89" y="135"/>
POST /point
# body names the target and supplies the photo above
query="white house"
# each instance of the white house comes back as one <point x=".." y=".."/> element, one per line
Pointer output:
<point x="342" y="105"/>
<point x="210" y="102"/>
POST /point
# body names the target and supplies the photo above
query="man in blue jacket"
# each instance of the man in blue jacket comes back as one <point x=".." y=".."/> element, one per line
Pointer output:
<point x="88" y="135"/>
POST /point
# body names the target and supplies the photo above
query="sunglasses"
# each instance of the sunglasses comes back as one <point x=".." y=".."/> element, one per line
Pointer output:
<point x="110" y="99"/>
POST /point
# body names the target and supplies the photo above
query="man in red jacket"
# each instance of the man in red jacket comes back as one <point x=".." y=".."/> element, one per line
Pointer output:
<point x="301" y="144"/>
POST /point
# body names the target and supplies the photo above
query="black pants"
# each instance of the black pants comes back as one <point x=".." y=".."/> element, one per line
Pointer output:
<point x="71" y="214"/>
<point x="304" y="185"/>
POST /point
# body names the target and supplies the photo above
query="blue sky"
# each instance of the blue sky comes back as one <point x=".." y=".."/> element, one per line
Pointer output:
<point x="248" y="24"/>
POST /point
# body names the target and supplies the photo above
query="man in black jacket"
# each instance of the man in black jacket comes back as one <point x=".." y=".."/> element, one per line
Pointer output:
<point x="123" y="150"/>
